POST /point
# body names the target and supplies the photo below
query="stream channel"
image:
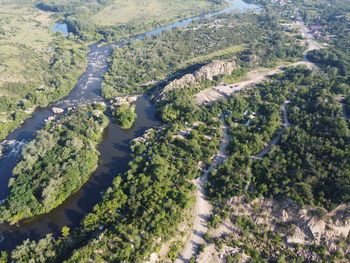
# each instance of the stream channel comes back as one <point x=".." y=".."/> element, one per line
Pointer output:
<point x="114" y="148"/>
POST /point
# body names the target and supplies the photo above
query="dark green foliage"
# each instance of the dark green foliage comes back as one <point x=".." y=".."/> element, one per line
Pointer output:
<point x="73" y="7"/>
<point x="37" y="252"/>
<point x="61" y="73"/>
<point x="147" y="201"/>
<point x="334" y="62"/>
<point x="153" y="59"/>
<point x="310" y="163"/>
<point x="54" y="165"/>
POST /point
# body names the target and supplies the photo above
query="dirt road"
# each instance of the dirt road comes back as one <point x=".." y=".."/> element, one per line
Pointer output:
<point x="223" y="90"/>
<point x="202" y="210"/>
<point x="277" y="138"/>
<point x="346" y="116"/>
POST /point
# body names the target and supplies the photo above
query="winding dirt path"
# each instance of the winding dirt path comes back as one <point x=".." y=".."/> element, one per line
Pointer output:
<point x="346" y="116"/>
<point x="202" y="209"/>
<point x="221" y="91"/>
<point x="277" y="138"/>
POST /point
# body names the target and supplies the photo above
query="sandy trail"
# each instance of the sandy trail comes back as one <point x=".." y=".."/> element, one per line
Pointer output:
<point x="313" y="45"/>
<point x="221" y="91"/>
<point x="202" y="210"/>
<point x="346" y="116"/>
<point x="277" y="138"/>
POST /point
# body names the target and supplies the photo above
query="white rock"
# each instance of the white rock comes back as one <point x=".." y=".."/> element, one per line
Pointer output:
<point x="57" y="110"/>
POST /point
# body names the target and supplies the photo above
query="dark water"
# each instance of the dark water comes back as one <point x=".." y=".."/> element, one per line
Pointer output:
<point x="61" y="28"/>
<point x="114" y="147"/>
<point x="115" y="155"/>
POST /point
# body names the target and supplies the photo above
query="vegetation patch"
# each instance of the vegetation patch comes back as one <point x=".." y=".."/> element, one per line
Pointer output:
<point x="55" y="164"/>
<point x="136" y="66"/>
<point x="125" y="115"/>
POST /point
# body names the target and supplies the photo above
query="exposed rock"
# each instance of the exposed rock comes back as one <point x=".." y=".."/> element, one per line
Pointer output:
<point x="57" y="110"/>
<point x="125" y="100"/>
<point x="215" y="68"/>
<point x="207" y="72"/>
<point x="51" y="118"/>
<point x="296" y="225"/>
<point x="97" y="113"/>
<point x="131" y="98"/>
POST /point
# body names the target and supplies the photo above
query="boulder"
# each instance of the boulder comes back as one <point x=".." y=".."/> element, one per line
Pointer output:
<point x="51" y="118"/>
<point x="57" y="110"/>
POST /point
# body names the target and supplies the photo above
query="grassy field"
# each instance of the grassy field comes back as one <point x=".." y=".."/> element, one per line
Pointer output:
<point x="26" y="47"/>
<point x="24" y="42"/>
<point x="25" y="39"/>
<point x="230" y="51"/>
<point x="26" y="51"/>
<point x="148" y="11"/>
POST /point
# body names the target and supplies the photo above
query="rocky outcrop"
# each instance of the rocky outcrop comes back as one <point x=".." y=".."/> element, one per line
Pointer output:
<point x="57" y="110"/>
<point x="215" y="68"/>
<point x="295" y="225"/>
<point x="207" y="72"/>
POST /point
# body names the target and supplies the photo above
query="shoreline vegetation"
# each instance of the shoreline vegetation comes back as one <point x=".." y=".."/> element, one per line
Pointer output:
<point x="67" y="63"/>
<point x="125" y="115"/>
<point x="144" y="208"/>
<point x="55" y="164"/>
<point x="60" y="62"/>
<point x="88" y="20"/>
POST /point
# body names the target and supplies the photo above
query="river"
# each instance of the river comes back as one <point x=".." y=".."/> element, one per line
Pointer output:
<point x="61" y="27"/>
<point x="114" y="148"/>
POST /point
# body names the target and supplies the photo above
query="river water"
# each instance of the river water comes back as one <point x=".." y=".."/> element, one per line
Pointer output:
<point x="114" y="148"/>
<point x="61" y="28"/>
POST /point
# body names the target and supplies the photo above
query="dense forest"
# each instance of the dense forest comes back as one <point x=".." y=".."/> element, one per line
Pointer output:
<point x="142" y="209"/>
<point x="308" y="165"/>
<point x="142" y="205"/>
<point x="137" y="65"/>
<point x="55" y="164"/>
<point x="78" y="16"/>
<point x="73" y="7"/>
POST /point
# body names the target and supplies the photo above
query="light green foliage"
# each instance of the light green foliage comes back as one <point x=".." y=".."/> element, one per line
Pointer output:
<point x="125" y="115"/>
<point x="138" y="63"/>
<point x="35" y="252"/>
<point x="36" y="66"/>
<point x="65" y="231"/>
<point x="150" y="196"/>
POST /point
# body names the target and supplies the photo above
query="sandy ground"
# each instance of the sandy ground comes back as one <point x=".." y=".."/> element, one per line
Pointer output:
<point x="305" y="228"/>
<point x="202" y="210"/>
<point x="222" y="90"/>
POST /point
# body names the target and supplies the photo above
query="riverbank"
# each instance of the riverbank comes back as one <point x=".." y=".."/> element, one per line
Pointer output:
<point x="55" y="164"/>
<point x="114" y="149"/>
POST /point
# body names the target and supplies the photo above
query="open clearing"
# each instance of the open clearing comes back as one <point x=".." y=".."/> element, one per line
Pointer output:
<point x="148" y="11"/>
<point x="24" y="42"/>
